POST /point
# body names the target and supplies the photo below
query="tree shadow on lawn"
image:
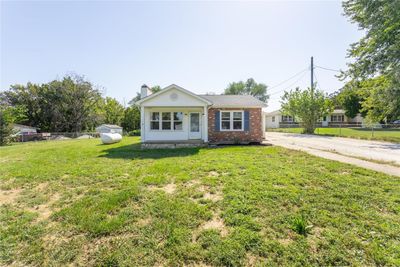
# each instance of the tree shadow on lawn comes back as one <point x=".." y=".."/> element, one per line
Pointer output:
<point x="134" y="151"/>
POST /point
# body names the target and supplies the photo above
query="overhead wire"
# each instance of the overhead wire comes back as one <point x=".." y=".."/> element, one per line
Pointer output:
<point x="288" y="79"/>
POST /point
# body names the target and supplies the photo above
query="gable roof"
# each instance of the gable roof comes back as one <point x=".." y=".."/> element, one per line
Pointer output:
<point x="172" y="86"/>
<point x="228" y="101"/>
<point x="234" y="101"/>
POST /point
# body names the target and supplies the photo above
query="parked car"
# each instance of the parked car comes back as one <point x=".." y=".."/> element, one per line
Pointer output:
<point x="396" y="122"/>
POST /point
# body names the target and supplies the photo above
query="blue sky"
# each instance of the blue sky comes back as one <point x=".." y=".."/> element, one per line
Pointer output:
<point x="201" y="46"/>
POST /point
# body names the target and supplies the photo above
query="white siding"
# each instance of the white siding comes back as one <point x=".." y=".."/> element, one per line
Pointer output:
<point x="171" y="135"/>
<point x="272" y="124"/>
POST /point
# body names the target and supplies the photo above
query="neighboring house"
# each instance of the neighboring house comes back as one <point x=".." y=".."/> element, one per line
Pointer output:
<point x="177" y="115"/>
<point x="276" y="119"/>
<point x="338" y="117"/>
<point x="109" y="128"/>
<point x="20" y="129"/>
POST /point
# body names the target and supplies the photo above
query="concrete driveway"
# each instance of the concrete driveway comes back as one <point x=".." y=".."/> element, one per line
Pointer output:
<point x="347" y="150"/>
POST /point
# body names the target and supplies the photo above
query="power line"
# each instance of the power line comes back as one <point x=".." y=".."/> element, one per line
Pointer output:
<point x="327" y="69"/>
<point x="288" y="79"/>
<point x="301" y="77"/>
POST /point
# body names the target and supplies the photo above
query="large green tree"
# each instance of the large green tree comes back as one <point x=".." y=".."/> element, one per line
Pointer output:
<point x="131" y="120"/>
<point x="249" y="87"/>
<point x="71" y="104"/>
<point x="376" y="54"/>
<point x="307" y="106"/>
<point x="113" y="111"/>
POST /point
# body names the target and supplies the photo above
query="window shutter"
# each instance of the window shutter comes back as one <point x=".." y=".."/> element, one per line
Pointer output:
<point x="217" y="118"/>
<point x="246" y="121"/>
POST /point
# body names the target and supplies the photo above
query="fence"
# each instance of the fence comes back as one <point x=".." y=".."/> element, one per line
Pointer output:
<point x="26" y="137"/>
<point x="385" y="132"/>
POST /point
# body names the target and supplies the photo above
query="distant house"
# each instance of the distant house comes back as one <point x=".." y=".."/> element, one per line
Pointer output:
<point x="338" y="117"/>
<point x="176" y="115"/>
<point x="276" y="119"/>
<point x="109" y="128"/>
<point x="20" y="129"/>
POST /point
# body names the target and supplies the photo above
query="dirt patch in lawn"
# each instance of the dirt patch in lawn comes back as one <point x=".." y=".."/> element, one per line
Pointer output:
<point x="169" y="188"/>
<point x="9" y="196"/>
<point x="44" y="211"/>
<point x="213" y="174"/>
<point x="214" y="197"/>
<point x="215" y="223"/>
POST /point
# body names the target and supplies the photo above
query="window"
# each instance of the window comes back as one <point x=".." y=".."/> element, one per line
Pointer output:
<point x="273" y="118"/>
<point x="178" y="117"/>
<point x="324" y="118"/>
<point x="155" y="121"/>
<point x="225" y="120"/>
<point x="166" y="121"/>
<point x="287" y="118"/>
<point x="337" y="118"/>
<point x="231" y="120"/>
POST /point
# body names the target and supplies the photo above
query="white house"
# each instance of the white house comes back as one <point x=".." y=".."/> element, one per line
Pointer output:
<point x="275" y="118"/>
<point x="177" y="115"/>
<point x="338" y="117"/>
<point x="109" y="128"/>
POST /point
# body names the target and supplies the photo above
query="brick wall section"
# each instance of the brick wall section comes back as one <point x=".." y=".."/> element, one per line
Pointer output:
<point x="254" y="135"/>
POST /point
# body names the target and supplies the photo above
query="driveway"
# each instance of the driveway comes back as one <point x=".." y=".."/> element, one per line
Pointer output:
<point x="347" y="150"/>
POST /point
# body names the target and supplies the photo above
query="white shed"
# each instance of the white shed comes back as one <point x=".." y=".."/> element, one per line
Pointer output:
<point x="109" y="128"/>
<point x="24" y="129"/>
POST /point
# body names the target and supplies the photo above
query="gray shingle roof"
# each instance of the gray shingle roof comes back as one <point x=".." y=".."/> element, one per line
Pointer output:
<point x="234" y="101"/>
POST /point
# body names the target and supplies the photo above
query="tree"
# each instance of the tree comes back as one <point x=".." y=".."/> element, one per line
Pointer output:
<point x="250" y="87"/>
<point x="8" y="116"/>
<point x="306" y="106"/>
<point x="376" y="56"/>
<point x="350" y="100"/>
<point x="131" y="120"/>
<point x="113" y="111"/>
<point x="68" y="105"/>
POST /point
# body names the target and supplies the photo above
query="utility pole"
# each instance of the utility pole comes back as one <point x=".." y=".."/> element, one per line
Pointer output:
<point x="312" y="74"/>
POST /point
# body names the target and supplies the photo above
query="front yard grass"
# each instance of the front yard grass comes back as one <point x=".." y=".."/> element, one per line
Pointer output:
<point x="82" y="203"/>
<point x="389" y="135"/>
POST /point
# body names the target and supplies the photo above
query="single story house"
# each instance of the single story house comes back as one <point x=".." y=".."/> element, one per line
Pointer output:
<point x="338" y="117"/>
<point x="276" y="119"/>
<point x="20" y="129"/>
<point x="109" y="128"/>
<point x="176" y="115"/>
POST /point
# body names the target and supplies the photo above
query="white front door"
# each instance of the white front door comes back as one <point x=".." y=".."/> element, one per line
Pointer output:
<point x="194" y="125"/>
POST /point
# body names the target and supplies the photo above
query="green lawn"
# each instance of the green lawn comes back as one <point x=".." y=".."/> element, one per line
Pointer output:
<point x="390" y="135"/>
<point x="78" y="202"/>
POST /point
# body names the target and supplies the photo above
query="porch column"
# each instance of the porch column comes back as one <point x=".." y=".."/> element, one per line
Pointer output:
<point x="205" y="124"/>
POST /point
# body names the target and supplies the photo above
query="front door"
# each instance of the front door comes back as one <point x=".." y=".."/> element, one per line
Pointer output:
<point x="194" y="125"/>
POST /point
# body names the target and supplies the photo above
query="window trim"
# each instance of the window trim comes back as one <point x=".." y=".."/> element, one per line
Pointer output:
<point x="231" y="121"/>
<point x="336" y="116"/>
<point x="172" y="121"/>
<point x="288" y="118"/>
